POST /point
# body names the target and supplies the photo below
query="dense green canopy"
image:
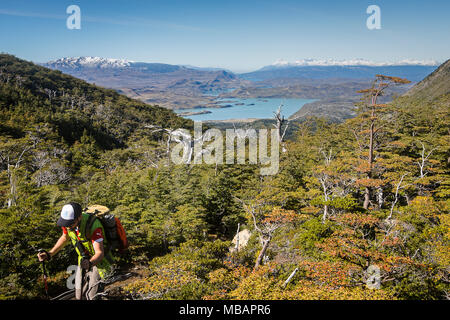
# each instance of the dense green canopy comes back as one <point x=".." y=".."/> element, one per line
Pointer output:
<point x="330" y="213"/>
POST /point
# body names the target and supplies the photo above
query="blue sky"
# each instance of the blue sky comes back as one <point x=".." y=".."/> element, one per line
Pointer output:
<point x="238" y="35"/>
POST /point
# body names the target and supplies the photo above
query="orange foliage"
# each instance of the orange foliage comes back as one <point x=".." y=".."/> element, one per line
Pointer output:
<point x="367" y="182"/>
<point x="278" y="215"/>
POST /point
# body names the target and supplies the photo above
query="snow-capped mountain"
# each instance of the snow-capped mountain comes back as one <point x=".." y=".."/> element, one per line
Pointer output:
<point x="113" y="72"/>
<point x="414" y="70"/>
<point x="121" y="73"/>
<point x="89" y="62"/>
<point x="351" y="62"/>
<point x="97" y="66"/>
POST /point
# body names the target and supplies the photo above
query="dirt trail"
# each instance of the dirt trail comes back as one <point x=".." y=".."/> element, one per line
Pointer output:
<point x="115" y="291"/>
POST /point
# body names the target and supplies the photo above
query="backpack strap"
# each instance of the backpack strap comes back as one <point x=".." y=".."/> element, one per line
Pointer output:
<point x="84" y="253"/>
<point x="88" y="225"/>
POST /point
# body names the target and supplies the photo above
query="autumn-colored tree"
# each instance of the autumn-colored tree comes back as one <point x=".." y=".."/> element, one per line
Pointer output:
<point x="266" y="213"/>
<point x="369" y="127"/>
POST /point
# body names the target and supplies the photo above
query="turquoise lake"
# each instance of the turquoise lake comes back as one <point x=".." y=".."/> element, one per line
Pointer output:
<point x="252" y="108"/>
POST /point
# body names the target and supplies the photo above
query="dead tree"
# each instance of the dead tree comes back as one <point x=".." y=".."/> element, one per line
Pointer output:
<point x="183" y="137"/>
<point x="397" y="189"/>
<point x="12" y="164"/>
<point x="280" y="121"/>
<point x="266" y="220"/>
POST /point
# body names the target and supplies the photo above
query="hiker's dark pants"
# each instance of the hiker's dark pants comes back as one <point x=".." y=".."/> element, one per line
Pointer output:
<point x="86" y="287"/>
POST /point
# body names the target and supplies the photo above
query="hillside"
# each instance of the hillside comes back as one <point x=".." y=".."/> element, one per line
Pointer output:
<point x="338" y="108"/>
<point x="434" y="85"/>
<point x="70" y="106"/>
<point x="169" y="86"/>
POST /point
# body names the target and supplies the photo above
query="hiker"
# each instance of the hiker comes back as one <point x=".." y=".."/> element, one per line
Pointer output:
<point x="90" y="246"/>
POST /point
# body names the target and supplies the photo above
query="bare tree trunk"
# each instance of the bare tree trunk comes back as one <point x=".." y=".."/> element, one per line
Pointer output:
<point x="262" y="253"/>
<point x="380" y="197"/>
<point x="169" y="139"/>
<point x="396" y="196"/>
<point x="237" y="238"/>
<point x="11" y="169"/>
<point x="290" y="277"/>
<point x="280" y="121"/>
<point x="368" y="191"/>
<point x="408" y="199"/>
<point x="366" y="198"/>
<point x="324" y="182"/>
<point x="325" y="213"/>
<point x="13" y="190"/>
<point x="325" y="193"/>
<point x="422" y="163"/>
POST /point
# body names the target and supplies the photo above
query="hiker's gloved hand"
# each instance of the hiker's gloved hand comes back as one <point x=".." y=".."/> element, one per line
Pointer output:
<point x="43" y="255"/>
<point x="85" y="264"/>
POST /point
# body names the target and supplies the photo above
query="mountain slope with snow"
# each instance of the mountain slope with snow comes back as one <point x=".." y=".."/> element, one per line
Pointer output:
<point x="352" y="62"/>
<point x="90" y="62"/>
<point x="414" y="70"/>
<point x="149" y="79"/>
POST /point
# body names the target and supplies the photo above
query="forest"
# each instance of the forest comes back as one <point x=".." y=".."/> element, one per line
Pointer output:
<point x="370" y="195"/>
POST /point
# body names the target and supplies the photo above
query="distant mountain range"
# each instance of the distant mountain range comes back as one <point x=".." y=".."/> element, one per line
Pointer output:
<point x="110" y="71"/>
<point x="120" y="73"/>
<point x="89" y="62"/>
<point x="414" y="70"/>
<point x="104" y="63"/>
<point x="351" y="62"/>
<point x="182" y="86"/>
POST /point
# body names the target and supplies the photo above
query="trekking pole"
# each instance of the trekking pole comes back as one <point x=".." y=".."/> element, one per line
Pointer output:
<point x="44" y="272"/>
<point x="84" y="284"/>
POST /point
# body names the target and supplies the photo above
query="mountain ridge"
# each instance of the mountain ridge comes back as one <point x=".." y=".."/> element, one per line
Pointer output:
<point x="434" y="85"/>
<point x="89" y="61"/>
<point x="71" y="105"/>
<point x="121" y="73"/>
<point x="412" y="72"/>
<point x="350" y="62"/>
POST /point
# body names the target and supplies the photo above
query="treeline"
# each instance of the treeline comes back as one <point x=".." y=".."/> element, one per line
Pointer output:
<point x="357" y="203"/>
